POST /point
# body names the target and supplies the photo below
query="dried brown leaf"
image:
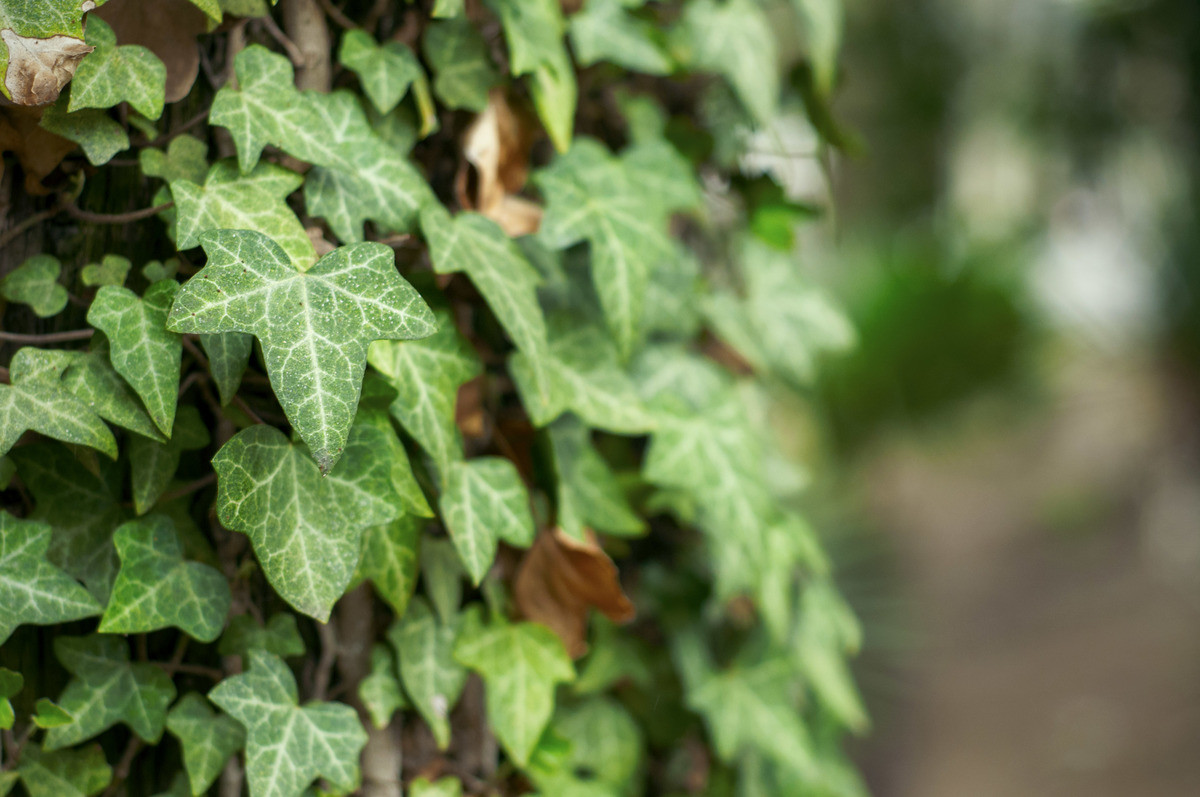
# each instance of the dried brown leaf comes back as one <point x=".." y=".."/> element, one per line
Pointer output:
<point x="497" y="144"/>
<point x="168" y="28"/>
<point x="37" y="150"/>
<point x="39" y="68"/>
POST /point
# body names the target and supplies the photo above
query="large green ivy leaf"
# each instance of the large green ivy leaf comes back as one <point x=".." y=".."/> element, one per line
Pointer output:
<point x="35" y="283"/>
<point x="432" y="678"/>
<point x="110" y="74"/>
<point x="289" y="746"/>
<point x="314" y="326"/>
<point x="605" y="740"/>
<point x="80" y="506"/>
<point x="64" y="773"/>
<point x="41" y="45"/>
<point x="153" y="464"/>
<point x="379" y="690"/>
<point x="734" y="38"/>
<point x="92" y="378"/>
<point x="37" y="401"/>
<point x="520" y="664"/>
<point x="157" y="588"/>
<point x="484" y="501"/>
<point x="385" y="70"/>
<point x="389" y="560"/>
<point x="604" y="30"/>
<point x="209" y="739"/>
<point x="426" y="375"/>
<point x="280" y="636"/>
<point x="462" y="72"/>
<point x="231" y="200"/>
<point x="299" y="523"/>
<point x="100" y="136"/>
<point x="142" y="349"/>
<point x="32" y="590"/>
<point x="107" y="689"/>
<point x="589" y="496"/>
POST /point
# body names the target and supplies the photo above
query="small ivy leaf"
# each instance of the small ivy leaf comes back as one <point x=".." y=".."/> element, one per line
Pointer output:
<point x="604" y="30"/>
<point x="385" y="71"/>
<point x="379" y="691"/>
<point x="734" y="38"/>
<point x="520" y="664"/>
<point x="36" y="401"/>
<point x="825" y="631"/>
<point x="314" y="326"/>
<point x="447" y="8"/>
<point x="612" y="658"/>
<point x="156" y="588"/>
<point x="50" y="715"/>
<point x="289" y="746"/>
<point x="186" y="158"/>
<point x="458" y="57"/>
<point x="107" y="689"/>
<point x="280" y="637"/>
<point x="231" y="200"/>
<point x="228" y="355"/>
<point x="42" y="44"/>
<point x="32" y="590"/>
<point x="111" y="270"/>
<point x="426" y="375"/>
<point x="209" y="739"/>
<point x="93" y="380"/>
<point x="81" y="507"/>
<point x="448" y="786"/>
<point x="389" y="560"/>
<point x="589" y="495"/>
<point x="64" y="773"/>
<point x="605" y="741"/>
<point x="307" y="544"/>
<point x="110" y="74"/>
<point x="143" y="350"/>
<point x="374" y="475"/>
<point x="157" y="270"/>
<point x="35" y="283"/>
<point x="153" y="464"/>
<point x="211" y="8"/>
<point x="442" y="574"/>
<point x="483" y="501"/>
<point x="95" y="131"/>
<point x="432" y="678"/>
<point x="10" y="682"/>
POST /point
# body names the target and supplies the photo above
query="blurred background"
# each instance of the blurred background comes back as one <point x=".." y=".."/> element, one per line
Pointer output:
<point x="1007" y="464"/>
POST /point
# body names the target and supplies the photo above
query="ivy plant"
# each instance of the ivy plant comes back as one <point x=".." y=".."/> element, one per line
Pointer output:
<point x="386" y="399"/>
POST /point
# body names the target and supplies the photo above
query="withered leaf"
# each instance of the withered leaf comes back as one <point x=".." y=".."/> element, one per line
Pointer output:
<point x="497" y="144"/>
<point x="37" y="150"/>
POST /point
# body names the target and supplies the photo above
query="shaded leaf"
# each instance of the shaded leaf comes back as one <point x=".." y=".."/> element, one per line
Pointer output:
<point x="280" y="637"/>
<point x="37" y="401"/>
<point x="111" y="270"/>
<point x="389" y="560"/>
<point x="209" y="739"/>
<point x="153" y="464"/>
<point x="92" y="379"/>
<point x="462" y="71"/>
<point x="10" y="682"/>
<point x="442" y="575"/>
<point x="379" y="691"/>
<point x="589" y="495"/>
<point x="605" y="740"/>
<point x="35" y="283"/>
<point x="64" y="773"/>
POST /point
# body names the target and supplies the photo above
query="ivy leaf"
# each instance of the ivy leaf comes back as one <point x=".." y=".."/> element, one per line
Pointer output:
<point x="604" y="30"/>
<point x="280" y="637"/>
<point x="186" y="158"/>
<point x="426" y="375"/>
<point x="95" y="131"/>
<point x="314" y="326"/>
<point x="110" y="74"/>
<point x="589" y="495"/>
<point x="447" y="8"/>
<point x="442" y="574"/>
<point x="10" y="682"/>
<point x="107" y="689"/>
<point x="458" y="56"/>
<point x="483" y="501"/>
<point x="49" y="715"/>
<point x="289" y="746"/>
<point x="153" y="464"/>
<point x="81" y="507"/>
<point x="825" y="631"/>
<point x="209" y="739"/>
<point x="92" y="379"/>
<point x="448" y="786"/>
<point x="389" y="560"/>
<point x="432" y="678"/>
<point x="733" y="38"/>
<point x="228" y="355"/>
<point x="605" y="741"/>
<point x="823" y="22"/>
<point x="156" y="588"/>
<point x="520" y="664"/>
<point x="230" y="200"/>
<point x="65" y="773"/>
<point x="386" y="71"/>
<point x="111" y="270"/>
<point x="41" y="45"/>
<point x="379" y="691"/>
<point x="143" y="350"/>
<point x="32" y="590"/>
<point x="269" y="489"/>
<point x="35" y="283"/>
<point x="36" y="401"/>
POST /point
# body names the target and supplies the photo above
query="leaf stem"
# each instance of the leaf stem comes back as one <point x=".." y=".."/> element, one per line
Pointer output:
<point x="337" y="15"/>
<point x="76" y="212"/>
<point x="189" y="488"/>
<point x="121" y="770"/>
<point x="47" y="337"/>
<point x="32" y="221"/>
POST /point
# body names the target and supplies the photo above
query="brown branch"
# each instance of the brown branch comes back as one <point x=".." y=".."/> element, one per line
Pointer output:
<point x="329" y="649"/>
<point x="244" y="407"/>
<point x="337" y="15"/>
<point x="14" y="232"/>
<point x="212" y="673"/>
<point x="121" y="770"/>
<point x="48" y="337"/>
<point x="115" y="218"/>
<point x="293" y="52"/>
<point x="189" y="488"/>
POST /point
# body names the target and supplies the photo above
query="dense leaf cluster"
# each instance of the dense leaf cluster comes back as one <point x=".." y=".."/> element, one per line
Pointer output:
<point x="477" y="303"/>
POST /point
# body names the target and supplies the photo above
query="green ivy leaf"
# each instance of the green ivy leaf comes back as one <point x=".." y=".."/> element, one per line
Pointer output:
<point x="289" y="746"/>
<point x="107" y="689"/>
<point x="426" y="375"/>
<point x="520" y="664"/>
<point x="270" y="490"/>
<point x="64" y="773"/>
<point x="825" y="631"/>
<point x="157" y="270"/>
<point x="110" y="74"/>
<point x="484" y="501"/>
<point x="823" y="22"/>
<point x="447" y="8"/>
<point x="385" y="71"/>
<point x="153" y="464"/>
<point x="49" y="715"/>
<point x="389" y="560"/>
<point x="379" y="691"/>
<point x="37" y="401"/>
<point x="111" y="270"/>
<point x="734" y="38"/>
<point x="448" y="786"/>
<point x="156" y="588"/>
<point x="442" y="574"/>
<point x="35" y="283"/>
<point x="228" y="355"/>
<point x="32" y="590"/>
<point x="95" y="131"/>
<point x="612" y="657"/>
<point x="280" y="637"/>
<point x="41" y="45"/>
<point x="93" y="380"/>
<point x="604" y="30"/>
<point x="314" y="326"/>
<point x="211" y="8"/>
<point x="143" y="350"/>
<point x="458" y="57"/>
<point x="605" y="741"/>
<point x="374" y="476"/>
<point x="10" y="682"/>
<point x="230" y="200"/>
<point x="186" y="158"/>
<point x="424" y="647"/>
<point x="589" y="496"/>
<point x="209" y="739"/>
